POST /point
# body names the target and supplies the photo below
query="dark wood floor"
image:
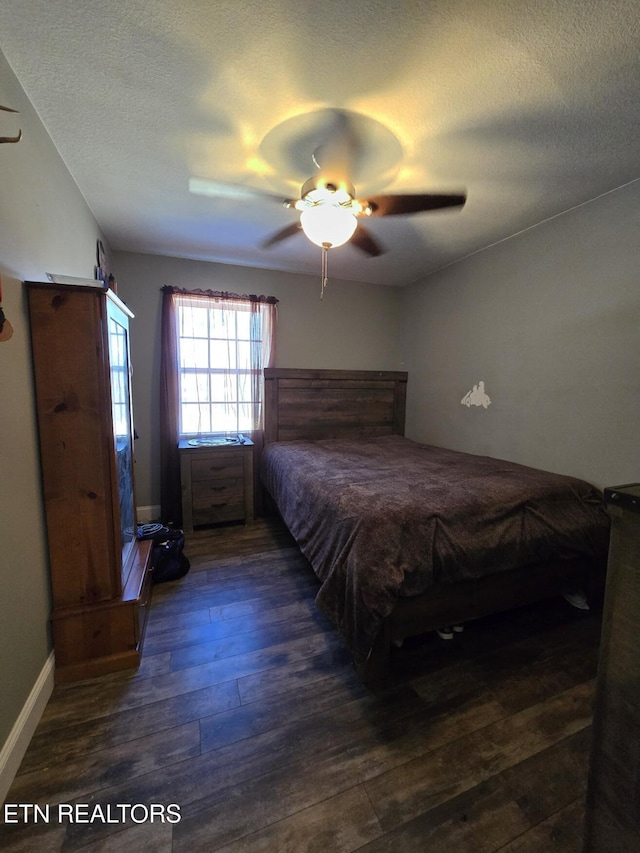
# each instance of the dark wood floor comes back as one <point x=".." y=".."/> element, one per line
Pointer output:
<point x="247" y="714"/>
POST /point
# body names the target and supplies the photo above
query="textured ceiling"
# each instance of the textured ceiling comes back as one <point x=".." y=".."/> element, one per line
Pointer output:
<point x="530" y="107"/>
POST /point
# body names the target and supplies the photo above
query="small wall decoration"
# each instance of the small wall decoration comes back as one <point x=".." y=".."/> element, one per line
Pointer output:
<point x="101" y="269"/>
<point x="10" y="138"/>
<point x="6" y="329"/>
<point x="476" y="397"/>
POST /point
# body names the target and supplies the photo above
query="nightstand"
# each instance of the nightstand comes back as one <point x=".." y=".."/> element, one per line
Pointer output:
<point x="217" y="483"/>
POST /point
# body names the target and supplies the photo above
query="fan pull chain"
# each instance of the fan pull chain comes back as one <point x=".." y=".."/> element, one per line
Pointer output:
<point x="325" y="268"/>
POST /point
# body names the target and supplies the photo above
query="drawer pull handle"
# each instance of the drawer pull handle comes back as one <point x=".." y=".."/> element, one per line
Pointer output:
<point x="217" y="488"/>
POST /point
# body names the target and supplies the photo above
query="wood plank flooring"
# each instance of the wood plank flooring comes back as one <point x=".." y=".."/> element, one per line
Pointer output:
<point x="246" y="713"/>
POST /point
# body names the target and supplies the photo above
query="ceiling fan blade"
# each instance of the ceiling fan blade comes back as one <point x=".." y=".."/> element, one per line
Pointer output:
<point x="394" y="205"/>
<point x="364" y="240"/>
<point x="221" y="189"/>
<point x="283" y="234"/>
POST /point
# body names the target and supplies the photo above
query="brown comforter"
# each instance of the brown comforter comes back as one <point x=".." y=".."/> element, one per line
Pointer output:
<point x="388" y="517"/>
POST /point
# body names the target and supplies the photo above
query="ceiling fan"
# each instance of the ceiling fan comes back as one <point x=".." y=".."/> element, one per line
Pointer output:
<point x="330" y="212"/>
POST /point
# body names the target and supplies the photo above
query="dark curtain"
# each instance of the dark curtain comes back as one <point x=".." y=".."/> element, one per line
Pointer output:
<point x="170" y="492"/>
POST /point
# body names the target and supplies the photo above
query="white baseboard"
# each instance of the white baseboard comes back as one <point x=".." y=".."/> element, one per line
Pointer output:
<point x="148" y="513"/>
<point x="20" y="735"/>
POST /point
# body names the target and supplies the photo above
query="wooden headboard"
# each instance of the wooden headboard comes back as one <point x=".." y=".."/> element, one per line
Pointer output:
<point x="317" y="404"/>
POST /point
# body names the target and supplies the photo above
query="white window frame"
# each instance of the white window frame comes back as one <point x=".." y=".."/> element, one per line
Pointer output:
<point x="216" y="372"/>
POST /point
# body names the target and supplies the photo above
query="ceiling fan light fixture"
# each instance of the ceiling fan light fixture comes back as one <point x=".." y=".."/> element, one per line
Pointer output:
<point x="320" y="190"/>
<point x="328" y="225"/>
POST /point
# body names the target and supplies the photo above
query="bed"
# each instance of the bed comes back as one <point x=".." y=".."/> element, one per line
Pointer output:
<point x="406" y="537"/>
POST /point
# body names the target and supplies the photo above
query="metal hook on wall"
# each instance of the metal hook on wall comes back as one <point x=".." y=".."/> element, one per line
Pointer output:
<point x="10" y="138"/>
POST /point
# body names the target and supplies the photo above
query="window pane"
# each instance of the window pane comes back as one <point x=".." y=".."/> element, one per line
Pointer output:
<point x="225" y="417"/>
<point x="245" y="387"/>
<point x="243" y="319"/>
<point x="194" y="352"/>
<point x="223" y="354"/>
<point x="244" y="355"/>
<point x="116" y="345"/>
<point x="193" y="322"/>
<point x="246" y="417"/>
<point x="195" y="418"/>
<point x="194" y="387"/>
<point x="223" y="323"/>
<point x="223" y="387"/>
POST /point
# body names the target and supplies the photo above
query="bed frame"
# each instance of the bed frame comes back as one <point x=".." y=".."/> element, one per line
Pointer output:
<point x="321" y="404"/>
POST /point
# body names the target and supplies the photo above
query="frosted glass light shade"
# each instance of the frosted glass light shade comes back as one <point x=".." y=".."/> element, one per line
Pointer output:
<point x="328" y="225"/>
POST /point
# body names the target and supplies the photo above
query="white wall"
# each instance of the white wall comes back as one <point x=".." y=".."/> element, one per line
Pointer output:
<point x="355" y="326"/>
<point x="550" y="321"/>
<point x="45" y="226"/>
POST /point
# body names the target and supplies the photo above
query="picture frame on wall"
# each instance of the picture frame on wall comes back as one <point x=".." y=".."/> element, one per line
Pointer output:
<point x="102" y="274"/>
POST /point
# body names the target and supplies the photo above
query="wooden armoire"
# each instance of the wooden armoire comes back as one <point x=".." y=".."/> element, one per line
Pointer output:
<point x="100" y="570"/>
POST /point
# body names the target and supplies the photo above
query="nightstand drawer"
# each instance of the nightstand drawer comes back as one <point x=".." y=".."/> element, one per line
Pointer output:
<point x="219" y="511"/>
<point x="205" y="493"/>
<point x="218" y="466"/>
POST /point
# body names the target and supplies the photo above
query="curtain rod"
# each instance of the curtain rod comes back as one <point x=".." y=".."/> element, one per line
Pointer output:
<point x="219" y="294"/>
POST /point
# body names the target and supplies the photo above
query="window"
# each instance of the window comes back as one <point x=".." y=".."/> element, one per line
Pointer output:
<point x="215" y="347"/>
<point x="220" y="354"/>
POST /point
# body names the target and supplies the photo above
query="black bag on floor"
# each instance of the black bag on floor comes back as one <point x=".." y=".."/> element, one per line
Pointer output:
<point x="168" y="560"/>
